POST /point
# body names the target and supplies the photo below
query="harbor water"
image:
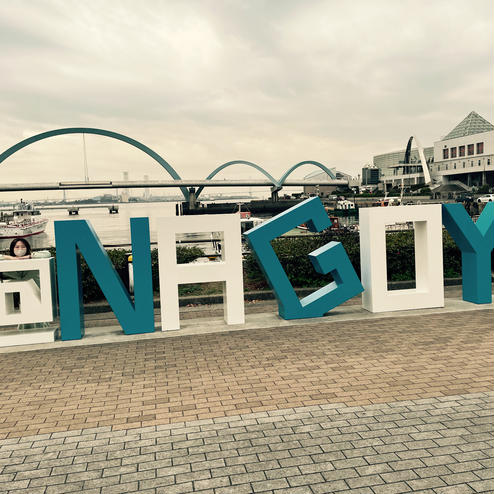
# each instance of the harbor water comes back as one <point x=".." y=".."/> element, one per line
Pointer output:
<point x="113" y="230"/>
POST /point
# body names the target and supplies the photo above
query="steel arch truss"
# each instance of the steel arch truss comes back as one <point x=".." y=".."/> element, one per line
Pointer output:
<point x="107" y="133"/>
<point x="171" y="171"/>
<point x="276" y="183"/>
<point x="315" y="163"/>
<point x="238" y="162"/>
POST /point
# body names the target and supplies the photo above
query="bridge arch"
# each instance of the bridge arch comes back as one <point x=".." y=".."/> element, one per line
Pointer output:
<point x="294" y="167"/>
<point x="107" y="133"/>
<point x="238" y="162"/>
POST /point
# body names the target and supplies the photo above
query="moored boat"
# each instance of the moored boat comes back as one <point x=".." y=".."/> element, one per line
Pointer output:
<point x="21" y="221"/>
<point x="247" y="221"/>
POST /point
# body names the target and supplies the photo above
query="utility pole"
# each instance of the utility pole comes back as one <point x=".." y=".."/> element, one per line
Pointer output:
<point x="86" y="172"/>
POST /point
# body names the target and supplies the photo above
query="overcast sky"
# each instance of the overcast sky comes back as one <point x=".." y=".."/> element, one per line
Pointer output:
<point x="204" y="82"/>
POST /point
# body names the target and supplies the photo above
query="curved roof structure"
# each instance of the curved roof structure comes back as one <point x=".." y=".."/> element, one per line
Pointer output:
<point x="315" y="163"/>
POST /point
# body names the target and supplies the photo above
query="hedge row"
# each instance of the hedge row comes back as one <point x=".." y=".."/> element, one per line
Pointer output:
<point x="292" y="253"/>
<point x="400" y="256"/>
<point x="90" y="288"/>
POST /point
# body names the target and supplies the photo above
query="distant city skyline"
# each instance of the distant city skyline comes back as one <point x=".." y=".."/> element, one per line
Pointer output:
<point x="206" y="82"/>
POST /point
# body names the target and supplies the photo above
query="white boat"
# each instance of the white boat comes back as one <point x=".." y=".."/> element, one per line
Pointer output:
<point x="345" y="204"/>
<point x="247" y="221"/>
<point x="21" y="221"/>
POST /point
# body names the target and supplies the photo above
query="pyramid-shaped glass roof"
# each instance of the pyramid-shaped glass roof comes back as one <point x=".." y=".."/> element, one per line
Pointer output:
<point x="473" y="123"/>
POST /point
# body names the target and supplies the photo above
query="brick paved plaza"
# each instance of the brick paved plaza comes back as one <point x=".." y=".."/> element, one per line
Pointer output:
<point x="378" y="405"/>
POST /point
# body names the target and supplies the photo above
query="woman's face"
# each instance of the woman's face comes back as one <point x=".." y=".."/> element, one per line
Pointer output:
<point x="20" y="249"/>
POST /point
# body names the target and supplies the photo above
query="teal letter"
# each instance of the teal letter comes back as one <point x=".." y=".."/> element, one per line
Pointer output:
<point x="476" y="241"/>
<point x="330" y="258"/>
<point x="71" y="236"/>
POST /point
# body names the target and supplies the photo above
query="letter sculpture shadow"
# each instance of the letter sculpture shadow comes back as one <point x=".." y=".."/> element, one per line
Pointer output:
<point x="330" y="258"/>
<point x="476" y="241"/>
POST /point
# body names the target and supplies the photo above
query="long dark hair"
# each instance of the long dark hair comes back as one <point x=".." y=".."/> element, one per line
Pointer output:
<point x="24" y="241"/>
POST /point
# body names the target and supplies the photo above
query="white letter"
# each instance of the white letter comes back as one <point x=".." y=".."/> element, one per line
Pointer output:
<point x="36" y="304"/>
<point x="228" y="270"/>
<point x="429" y="291"/>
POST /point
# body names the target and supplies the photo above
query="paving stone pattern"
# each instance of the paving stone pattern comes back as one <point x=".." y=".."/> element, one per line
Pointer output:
<point x="378" y="406"/>
<point x="437" y="445"/>
<point x="152" y="382"/>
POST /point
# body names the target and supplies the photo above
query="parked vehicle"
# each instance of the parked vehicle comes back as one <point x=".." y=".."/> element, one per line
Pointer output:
<point x="464" y="198"/>
<point x="389" y="201"/>
<point x="487" y="198"/>
<point x="335" y="223"/>
<point x="345" y="205"/>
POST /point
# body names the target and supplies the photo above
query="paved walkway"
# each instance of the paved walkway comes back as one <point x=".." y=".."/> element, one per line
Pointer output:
<point x="441" y="445"/>
<point x="378" y="405"/>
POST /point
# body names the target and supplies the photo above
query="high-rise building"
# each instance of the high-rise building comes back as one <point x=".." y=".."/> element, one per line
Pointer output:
<point x="125" y="192"/>
<point x="370" y="175"/>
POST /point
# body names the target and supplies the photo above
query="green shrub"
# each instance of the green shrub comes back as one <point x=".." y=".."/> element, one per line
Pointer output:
<point x="184" y="256"/>
<point x="90" y="288"/>
<point x="292" y="253"/>
<point x="400" y="258"/>
<point x="188" y="254"/>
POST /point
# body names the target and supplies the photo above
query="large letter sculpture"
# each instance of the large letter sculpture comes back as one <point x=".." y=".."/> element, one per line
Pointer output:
<point x="37" y="300"/>
<point x="137" y="317"/>
<point x="228" y="270"/>
<point x="429" y="290"/>
<point x="330" y="258"/>
<point x="476" y="241"/>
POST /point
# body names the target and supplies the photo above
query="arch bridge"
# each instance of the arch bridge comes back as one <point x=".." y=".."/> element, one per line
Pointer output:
<point x="190" y="194"/>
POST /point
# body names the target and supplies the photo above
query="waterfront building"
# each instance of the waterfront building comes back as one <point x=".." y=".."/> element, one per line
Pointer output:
<point x="323" y="190"/>
<point x="392" y="167"/>
<point x="370" y="175"/>
<point x="463" y="158"/>
<point x="466" y="153"/>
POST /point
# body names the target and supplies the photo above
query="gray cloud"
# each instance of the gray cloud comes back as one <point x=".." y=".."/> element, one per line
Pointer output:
<point x="205" y="82"/>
